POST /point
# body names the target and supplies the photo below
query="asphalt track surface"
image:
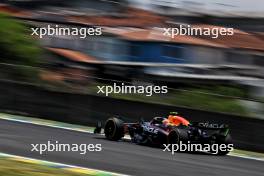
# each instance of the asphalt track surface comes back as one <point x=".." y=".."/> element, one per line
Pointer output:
<point x="122" y="157"/>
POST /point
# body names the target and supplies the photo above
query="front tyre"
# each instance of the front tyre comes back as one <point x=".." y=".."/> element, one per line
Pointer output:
<point x="114" y="129"/>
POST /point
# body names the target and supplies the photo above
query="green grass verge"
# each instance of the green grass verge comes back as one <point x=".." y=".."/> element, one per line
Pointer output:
<point x="203" y="98"/>
<point x="10" y="167"/>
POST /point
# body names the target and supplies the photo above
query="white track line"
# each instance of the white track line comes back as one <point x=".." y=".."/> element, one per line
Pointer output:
<point x="245" y="157"/>
<point x="46" y="125"/>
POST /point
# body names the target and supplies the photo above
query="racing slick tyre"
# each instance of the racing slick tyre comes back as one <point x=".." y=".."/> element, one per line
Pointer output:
<point x="177" y="135"/>
<point x="114" y="129"/>
<point x="224" y="140"/>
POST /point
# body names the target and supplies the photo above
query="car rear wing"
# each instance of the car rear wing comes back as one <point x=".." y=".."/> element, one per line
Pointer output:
<point x="207" y="125"/>
<point x="221" y="129"/>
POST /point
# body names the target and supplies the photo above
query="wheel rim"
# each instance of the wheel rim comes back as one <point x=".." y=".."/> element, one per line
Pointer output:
<point x="110" y="129"/>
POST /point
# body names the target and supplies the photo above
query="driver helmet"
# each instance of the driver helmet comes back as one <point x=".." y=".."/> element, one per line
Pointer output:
<point x="175" y="119"/>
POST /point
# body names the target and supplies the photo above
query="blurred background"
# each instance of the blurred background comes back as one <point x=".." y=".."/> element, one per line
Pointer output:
<point x="217" y="80"/>
<point x="220" y="75"/>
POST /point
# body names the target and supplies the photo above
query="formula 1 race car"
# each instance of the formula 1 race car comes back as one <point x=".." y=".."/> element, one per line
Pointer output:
<point x="162" y="131"/>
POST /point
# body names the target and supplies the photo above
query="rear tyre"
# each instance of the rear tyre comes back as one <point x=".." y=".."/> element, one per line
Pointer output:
<point x="114" y="129"/>
<point x="177" y="135"/>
